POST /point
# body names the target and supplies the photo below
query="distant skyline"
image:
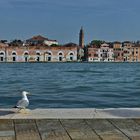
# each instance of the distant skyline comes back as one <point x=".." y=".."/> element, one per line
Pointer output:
<point x="109" y="20"/>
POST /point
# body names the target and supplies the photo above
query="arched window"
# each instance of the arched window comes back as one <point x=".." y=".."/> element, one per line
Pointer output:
<point x="60" y="56"/>
<point x="26" y="53"/>
<point x="26" y="56"/>
<point x="38" y="57"/>
<point x="37" y="53"/>
<point x="1" y="53"/>
<point x="71" y="53"/>
<point x="49" y="56"/>
<point x="14" y="53"/>
<point x="14" y="56"/>
<point x="71" y="56"/>
<point x="1" y="56"/>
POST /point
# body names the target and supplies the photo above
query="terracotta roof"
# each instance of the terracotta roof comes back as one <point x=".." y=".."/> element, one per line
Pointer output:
<point x="39" y="38"/>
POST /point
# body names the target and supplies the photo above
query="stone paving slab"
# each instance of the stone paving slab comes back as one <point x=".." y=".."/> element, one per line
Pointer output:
<point x="87" y="113"/>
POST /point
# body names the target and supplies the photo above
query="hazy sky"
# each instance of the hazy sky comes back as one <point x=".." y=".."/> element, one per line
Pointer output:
<point x="108" y="20"/>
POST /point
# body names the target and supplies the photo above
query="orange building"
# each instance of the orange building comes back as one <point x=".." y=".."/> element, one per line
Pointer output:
<point x="136" y="53"/>
<point x="92" y="53"/>
<point x="118" y="51"/>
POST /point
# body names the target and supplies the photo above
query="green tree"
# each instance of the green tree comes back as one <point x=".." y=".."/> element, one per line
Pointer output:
<point x="97" y="42"/>
<point x="16" y="42"/>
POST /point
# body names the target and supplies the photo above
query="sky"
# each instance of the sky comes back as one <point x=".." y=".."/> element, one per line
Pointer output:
<point x="110" y="20"/>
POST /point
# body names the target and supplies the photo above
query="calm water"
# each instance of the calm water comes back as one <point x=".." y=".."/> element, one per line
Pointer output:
<point x="66" y="85"/>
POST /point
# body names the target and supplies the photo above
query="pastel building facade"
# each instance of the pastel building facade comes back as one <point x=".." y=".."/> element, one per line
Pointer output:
<point x="103" y="54"/>
<point x="127" y="51"/>
<point x="118" y="52"/>
<point x="106" y="53"/>
<point x="136" y="53"/>
<point x="93" y="54"/>
<point x="38" y="54"/>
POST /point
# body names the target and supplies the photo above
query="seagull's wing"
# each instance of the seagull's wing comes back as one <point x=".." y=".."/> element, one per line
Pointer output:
<point x="22" y="103"/>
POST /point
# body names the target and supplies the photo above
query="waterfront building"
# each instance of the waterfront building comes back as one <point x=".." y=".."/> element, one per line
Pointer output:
<point x="42" y="49"/>
<point x="93" y="54"/>
<point x="118" y="51"/>
<point x="3" y="54"/>
<point x="135" y="53"/>
<point x="127" y="51"/>
<point x="64" y="53"/>
<point x="105" y="53"/>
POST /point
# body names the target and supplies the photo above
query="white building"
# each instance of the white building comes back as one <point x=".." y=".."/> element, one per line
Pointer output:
<point x="105" y="53"/>
<point x="50" y="42"/>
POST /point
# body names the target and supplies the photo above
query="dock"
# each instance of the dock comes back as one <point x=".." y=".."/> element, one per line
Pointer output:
<point x="70" y="124"/>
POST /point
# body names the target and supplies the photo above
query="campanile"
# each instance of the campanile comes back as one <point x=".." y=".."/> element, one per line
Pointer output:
<point x="81" y="38"/>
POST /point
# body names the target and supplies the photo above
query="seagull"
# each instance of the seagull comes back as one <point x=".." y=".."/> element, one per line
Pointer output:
<point x="24" y="102"/>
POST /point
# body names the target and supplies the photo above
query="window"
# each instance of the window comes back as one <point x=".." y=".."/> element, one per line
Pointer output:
<point x="60" y="54"/>
<point x="1" y="56"/>
<point x="37" y="53"/>
<point x="60" y="58"/>
<point x="49" y="58"/>
<point x="1" y="59"/>
<point x="95" y="55"/>
<point x="71" y="56"/>
<point x="13" y="53"/>
<point x="26" y="59"/>
<point x="14" y="56"/>
<point x="26" y="56"/>
<point x="1" y="53"/>
<point x="26" y="53"/>
<point x="14" y="59"/>
<point x="38" y="59"/>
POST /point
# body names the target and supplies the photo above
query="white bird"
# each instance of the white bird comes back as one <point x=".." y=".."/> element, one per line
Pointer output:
<point x="24" y="102"/>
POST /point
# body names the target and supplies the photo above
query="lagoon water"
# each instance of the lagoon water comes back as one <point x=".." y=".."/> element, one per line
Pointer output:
<point x="71" y="85"/>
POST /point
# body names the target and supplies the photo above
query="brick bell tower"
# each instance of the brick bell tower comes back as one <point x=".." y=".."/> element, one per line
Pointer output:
<point x="81" y="38"/>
